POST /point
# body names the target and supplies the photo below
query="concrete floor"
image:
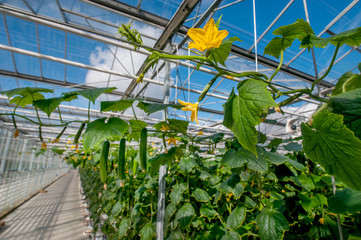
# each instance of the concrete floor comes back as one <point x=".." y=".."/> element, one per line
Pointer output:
<point x="54" y="215"/>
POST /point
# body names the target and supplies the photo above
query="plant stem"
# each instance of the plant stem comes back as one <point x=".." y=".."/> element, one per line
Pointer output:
<point x="290" y="99"/>
<point x="89" y="111"/>
<point x="329" y="68"/>
<point x="61" y="120"/>
<point x="181" y="57"/>
<point x="207" y="87"/>
<point x="37" y="114"/>
<point x="278" y="68"/>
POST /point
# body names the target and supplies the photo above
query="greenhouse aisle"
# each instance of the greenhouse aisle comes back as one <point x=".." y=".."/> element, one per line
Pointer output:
<point x="55" y="214"/>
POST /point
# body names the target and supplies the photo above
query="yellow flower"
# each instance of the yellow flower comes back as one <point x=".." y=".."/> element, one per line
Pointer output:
<point x="322" y="221"/>
<point x="69" y="142"/>
<point x="16" y="133"/>
<point x="172" y="140"/>
<point x="72" y="147"/>
<point x="229" y="77"/>
<point x="55" y="141"/>
<point x="43" y="146"/>
<point x="150" y="153"/>
<point x="140" y="78"/>
<point x="193" y="107"/>
<point x="89" y="158"/>
<point x="165" y="128"/>
<point x="206" y="38"/>
<point x="200" y="133"/>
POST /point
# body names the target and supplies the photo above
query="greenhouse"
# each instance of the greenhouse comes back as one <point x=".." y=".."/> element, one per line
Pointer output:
<point x="170" y="119"/>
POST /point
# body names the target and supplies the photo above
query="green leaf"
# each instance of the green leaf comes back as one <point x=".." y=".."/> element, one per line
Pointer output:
<point x="49" y="105"/>
<point x="174" y="125"/>
<point x="349" y="105"/>
<point x="297" y="30"/>
<point x="94" y="93"/>
<point x="186" y="164"/>
<point x="345" y="201"/>
<point x="231" y="236"/>
<point x="58" y="150"/>
<point x="99" y="130"/>
<point x="307" y="182"/>
<point x="214" y="137"/>
<point x="347" y="82"/>
<point x="117" y="208"/>
<point x="169" y="211"/>
<point x="274" y="158"/>
<point x="175" y="236"/>
<point x="236" y="218"/>
<point x="208" y="213"/>
<point x="243" y="111"/>
<point x="201" y="195"/>
<point x="236" y="159"/>
<point x="176" y="194"/>
<point x="271" y="224"/>
<point x="147" y="232"/>
<point x="249" y="202"/>
<point x="351" y="37"/>
<point x="117" y="106"/>
<point x="26" y="100"/>
<point x="26" y="91"/>
<point x="334" y="147"/>
<point x="311" y="202"/>
<point x="185" y="215"/>
<point x="233" y="185"/>
<point x="296" y="165"/>
<point x="220" y="55"/>
<point x="155" y="107"/>
<point x="293" y="147"/>
<point x="136" y="127"/>
<point x="163" y="159"/>
<point x="123" y="227"/>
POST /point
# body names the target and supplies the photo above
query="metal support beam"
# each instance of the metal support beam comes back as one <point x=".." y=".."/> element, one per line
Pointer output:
<point x="170" y="29"/>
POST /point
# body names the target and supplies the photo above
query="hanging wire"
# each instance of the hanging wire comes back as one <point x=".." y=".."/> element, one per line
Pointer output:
<point x="255" y="34"/>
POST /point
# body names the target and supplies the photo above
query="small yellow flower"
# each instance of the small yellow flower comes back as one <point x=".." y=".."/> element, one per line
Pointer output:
<point x="206" y="38"/>
<point x="77" y="151"/>
<point x="277" y="109"/>
<point x="89" y="158"/>
<point x="200" y="133"/>
<point x="55" y="141"/>
<point x="322" y="221"/>
<point x="165" y="128"/>
<point x="193" y="107"/>
<point x="84" y="157"/>
<point x="229" y="77"/>
<point x="43" y="146"/>
<point x="172" y="140"/>
<point x="140" y="78"/>
<point x="69" y="142"/>
<point x="72" y="147"/>
<point x="150" y="153"/>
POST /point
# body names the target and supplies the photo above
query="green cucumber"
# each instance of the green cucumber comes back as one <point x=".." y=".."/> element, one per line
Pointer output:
<point x="121" y="159"/>
<point x="103" y="162"/>
<point x="143" y="148"/>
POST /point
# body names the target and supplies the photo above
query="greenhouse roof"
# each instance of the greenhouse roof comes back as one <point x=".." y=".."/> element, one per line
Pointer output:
<point x="74" y="44"/>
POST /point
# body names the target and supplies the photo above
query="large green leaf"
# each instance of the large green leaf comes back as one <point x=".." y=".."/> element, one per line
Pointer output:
<point x="233" y="185"/>
<point x="297" y="30"/>
<point x="136" y="127"/>
<point x="99" y="130"/>
<point x="169" y="211"/>
<point x="186" y="164"/>
<point x="115" y="106"/>
<point x="155" y="107"/>
<point x="237" y="158"/>
<point x="334" y="147"/>
<point x="349" y="105"/>
<point x="117" y="208"/>
<point x="26" y="100"/>
<point x="347" y="82"/>
<point x="220" y="55"/>
<point x="163" y="159"/>
<point x="185" y="215"/>
<point x="214" y="137"/>
<point x="274" y="158"/>
<point x="94" y="93"/>
<point x="208" y="213"/>
<point x="123" y="227"/>
<point x="173" y="124"/>
<point x="271" y="224"/>
<point x="201" y="195"/>
<point x="177" y="192"/>
<point x="236" y="218"/>
<point x="49" y="105"/>
<point x="310" y="202"/>
<point x="147" y="232"/>
<point x="351" y="37"/>
<point x="26" y="91"/>
<point x="243" y="112"/>
<point x="345" y="201"/>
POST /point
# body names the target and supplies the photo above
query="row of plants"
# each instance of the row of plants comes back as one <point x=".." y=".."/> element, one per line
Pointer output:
<point x="244" y="190"/>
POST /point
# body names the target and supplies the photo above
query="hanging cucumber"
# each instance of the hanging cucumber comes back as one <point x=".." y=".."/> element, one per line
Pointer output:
<point x="121" y="159"/>
<point x="103" y="162"/>
<point x="77" y="136"/>
<point x="143" y="148"/>
<point x="135" y="166"/>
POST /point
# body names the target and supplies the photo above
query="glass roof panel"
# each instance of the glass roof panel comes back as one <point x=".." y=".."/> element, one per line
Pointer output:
<point x="22" y="33"/>
<point x="27" y="64"/>
<point x="45" y="7"/>
<point x="162" y="8"/>
<point x="6" y="62"/>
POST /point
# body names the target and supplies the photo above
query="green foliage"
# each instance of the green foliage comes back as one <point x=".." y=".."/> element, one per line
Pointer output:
<point x="220" y="55"/>
<point x="243" y="112"/>
<point x="332" y="145"/>
<point x="99" y="130"/>
<point x="272" y="224"/>
<point x="345" y="201"/>
<point x="150" y="108"/>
